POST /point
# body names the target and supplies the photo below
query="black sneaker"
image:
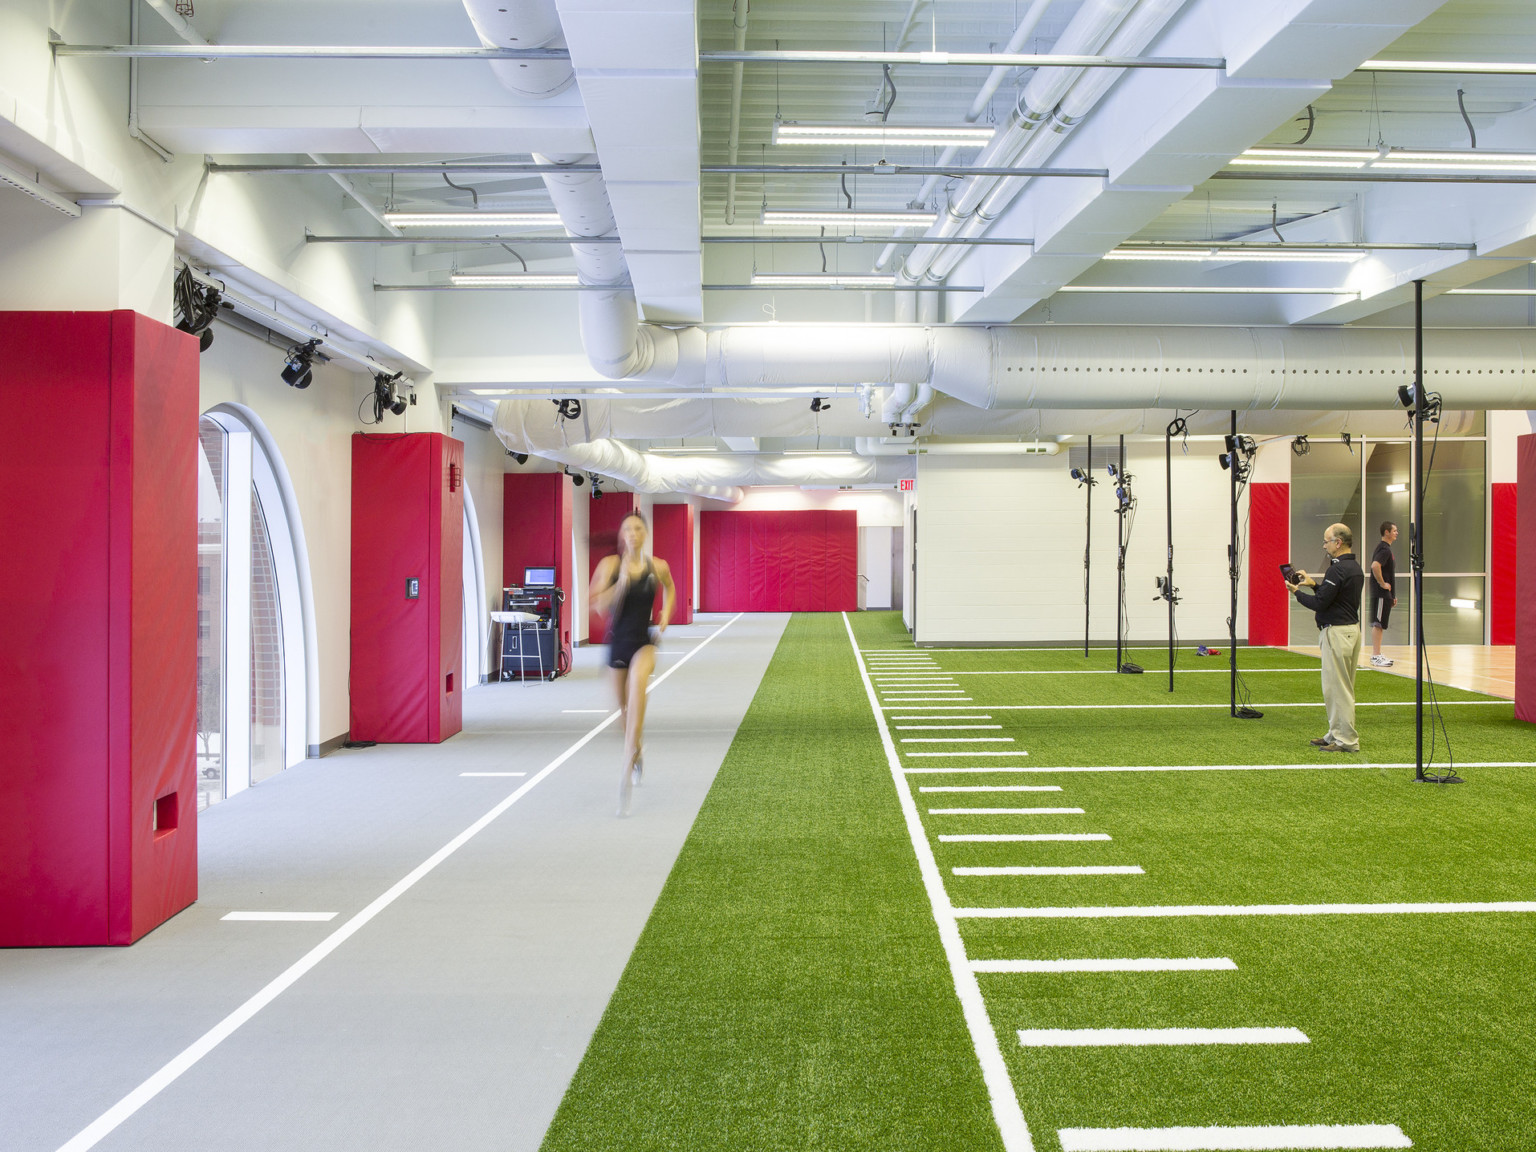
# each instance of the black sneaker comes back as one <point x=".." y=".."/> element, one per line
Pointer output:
<point x="1320" y="742"/>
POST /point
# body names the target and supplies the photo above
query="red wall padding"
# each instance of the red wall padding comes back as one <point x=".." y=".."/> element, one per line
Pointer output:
<point x="672" y="540"/>
<point x="1502" y="579"/>
<point x="603" y="540"/>
<point x="535" y="533"/>
<point x="98" y="626"/>
<point x="779" y="561"/>
<point x="1269" y="546"/>
<point x="407" y="675"/>
<point x="1525" y="581"/>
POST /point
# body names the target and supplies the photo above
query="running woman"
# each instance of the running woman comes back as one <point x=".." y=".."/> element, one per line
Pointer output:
<point x="624" y="590"/>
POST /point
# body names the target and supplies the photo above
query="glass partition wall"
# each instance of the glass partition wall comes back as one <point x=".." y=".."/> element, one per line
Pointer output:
<point x="1366" y="482"/>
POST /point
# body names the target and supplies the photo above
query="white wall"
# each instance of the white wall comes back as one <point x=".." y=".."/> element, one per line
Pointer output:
<point x="1000" y="551"/>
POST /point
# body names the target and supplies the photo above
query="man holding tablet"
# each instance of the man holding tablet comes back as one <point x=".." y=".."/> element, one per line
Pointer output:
<point x="1336" y="607"/>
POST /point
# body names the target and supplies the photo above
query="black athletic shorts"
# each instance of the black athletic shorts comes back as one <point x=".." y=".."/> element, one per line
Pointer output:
<point x="623" y="648"/>
<point x="1381" y="611"/>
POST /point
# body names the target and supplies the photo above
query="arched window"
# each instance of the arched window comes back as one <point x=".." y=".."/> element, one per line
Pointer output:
<point x="256" y="653"/>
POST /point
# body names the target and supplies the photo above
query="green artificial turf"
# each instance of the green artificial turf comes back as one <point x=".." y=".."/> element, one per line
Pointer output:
<point x="790" y="991"/>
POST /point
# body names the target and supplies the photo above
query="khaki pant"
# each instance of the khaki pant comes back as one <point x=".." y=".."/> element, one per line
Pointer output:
<point x="1340" y="645"/>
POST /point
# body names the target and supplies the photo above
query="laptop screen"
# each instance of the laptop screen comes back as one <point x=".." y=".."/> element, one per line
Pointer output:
<point x="538" y="576"/>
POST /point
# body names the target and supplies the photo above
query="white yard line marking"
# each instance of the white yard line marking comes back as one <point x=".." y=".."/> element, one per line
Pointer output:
<point x="957" y="739"/>
<point x="993" y="788"/>
<point x="988" y="768"/>
<point x="941" y="727"/>
<point x="994" y="1071"/>
<point x="1140" y="1037"/>
<point x="1013" y="752"/>
<point x="941" y="716"/>
<point x="907" y="702"/>
<point x="1315" y="766"/>
<point x="1014" y="837"/>
<point x="1304" y="704"/>
<point x="1138" y="964"/>
<point x="1005" y="812"/>
<point x="108" y="1121"/>
<point x="1032" y="870"/>
<point x="1223" y="1139"/>
<point x="308" y="917"/>
<point x="1157" y="911"/>
<point x="493" y="773"/>
<point x="1112" y="672"/>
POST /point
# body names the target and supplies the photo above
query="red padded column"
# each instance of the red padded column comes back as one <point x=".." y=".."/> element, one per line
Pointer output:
<point x="672" y="540"/>
<point x="603" y="540"/>
<point x="537" y="532"/>
<point x="1502" y="577"/>
<point x="407" y="524"/>
<point x="1525" y="581"/>
<point x="98" y="627"/>
<point x="1269" y="545"/>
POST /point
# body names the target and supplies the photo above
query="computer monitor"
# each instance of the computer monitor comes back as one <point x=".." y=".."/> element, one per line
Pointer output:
<point x="538" y="577"/>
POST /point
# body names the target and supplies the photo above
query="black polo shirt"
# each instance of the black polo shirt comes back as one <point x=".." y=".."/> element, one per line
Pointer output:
<point x="1336" y="599"/>
<point x="1384" y="557"/>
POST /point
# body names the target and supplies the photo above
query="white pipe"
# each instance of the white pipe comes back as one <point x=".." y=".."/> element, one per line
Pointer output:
<point x="994" y="78"/>
<point x="523" y="24"/>
<point x="897" y="401"/>
<point x="1094" y="23"/>
<point x="739" y="22"/>
<point x="924" y="397"/>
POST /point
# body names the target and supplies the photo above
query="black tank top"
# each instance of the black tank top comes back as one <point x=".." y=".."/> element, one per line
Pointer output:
<point x="632" y="614"/>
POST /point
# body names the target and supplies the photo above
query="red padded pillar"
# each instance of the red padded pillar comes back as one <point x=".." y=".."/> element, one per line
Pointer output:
<point x="1269" y="546"/>
<point x="537" y="533"/>
<point x="407" y="679"/>
<point x="1502" y="578"/>
<point x="98" y="627"/>
<point x="672" y="540"/>
<point x="1525" y="580"/>
<point x="603" y="540"/>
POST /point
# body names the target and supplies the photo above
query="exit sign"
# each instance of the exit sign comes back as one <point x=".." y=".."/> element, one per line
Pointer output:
<point x="908" y="485"/>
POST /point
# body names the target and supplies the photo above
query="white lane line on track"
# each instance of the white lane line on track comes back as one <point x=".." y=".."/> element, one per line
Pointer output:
<point x="1143" y="1037"/>
<point x="1005" y="812"/>
<point x="1015" y="837"/>
<point x="1170" y="910"/>
<point x="302" y="917"/>
<point x="1043" y="870"/>
<point x="941" y="727"/>
<point x="993" y="788"/>
<point x="1221" y="1138"/>
<point x="93" y="1133"/>
<point x="958" y="739"/>
<point x="994" y="1070"/>
<point x="1134" y="964"/>
<point x="501" y="774"/>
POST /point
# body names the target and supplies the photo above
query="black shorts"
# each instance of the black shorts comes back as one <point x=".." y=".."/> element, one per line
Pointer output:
<point x="1381" y="611"/>
<point x="622" y="649"/>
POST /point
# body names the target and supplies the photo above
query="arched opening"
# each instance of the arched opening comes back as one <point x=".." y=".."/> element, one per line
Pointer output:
<point x="256" y="662"/>
<point x="477" y="620"/>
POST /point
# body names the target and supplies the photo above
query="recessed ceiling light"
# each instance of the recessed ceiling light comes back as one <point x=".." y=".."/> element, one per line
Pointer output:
<point x="515" y="279"/>
<point x="867" y="219"/>
<point x="1301" y="255"/>
<point x="1204" y="290"/>
<point x="472" y="219"/>
<point x="776" y="280"/>
<point x="904" y="135"/>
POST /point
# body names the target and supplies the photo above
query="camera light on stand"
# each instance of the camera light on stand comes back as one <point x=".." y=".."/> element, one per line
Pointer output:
<point x="1467" y="604"/>
<point x="1397" y="487"/>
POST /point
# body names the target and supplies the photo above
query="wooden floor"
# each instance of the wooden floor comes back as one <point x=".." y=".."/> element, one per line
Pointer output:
<point x="1475" y="667"/>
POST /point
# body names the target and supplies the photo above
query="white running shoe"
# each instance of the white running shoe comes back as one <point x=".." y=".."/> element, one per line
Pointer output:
<point x="637" y="769"/>
<point x="1380" y="662"/>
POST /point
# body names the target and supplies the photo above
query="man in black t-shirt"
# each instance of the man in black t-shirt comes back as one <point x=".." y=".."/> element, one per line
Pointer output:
<point x="1335" y="601"/>
<point x="1382" y="579"/>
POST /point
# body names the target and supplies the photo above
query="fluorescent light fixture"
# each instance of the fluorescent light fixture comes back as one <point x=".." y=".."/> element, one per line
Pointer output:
<point x="902" y="135"/>
<point x="1490" y="292"/>
<point x="472" y="219"/>
<point x="1204" y="290"/>
<point x="1397" y="487"/>
<point x="835" y="219"/>
<point x="684" y="450"/>
<point x="1391" y="160"/>
<point x="773" y="280"/>
<point x="515" y="280"/>
<point x="816" y="452"/>
<point x="1524" y="67"/>
<point x="1259" y="255"/>
<point x="1459" y="603"/>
